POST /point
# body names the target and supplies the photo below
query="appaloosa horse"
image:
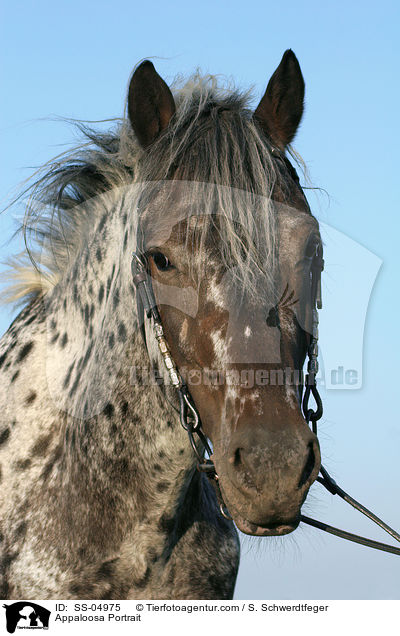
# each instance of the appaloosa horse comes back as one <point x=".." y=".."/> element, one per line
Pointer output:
<point x="100" y="496"/>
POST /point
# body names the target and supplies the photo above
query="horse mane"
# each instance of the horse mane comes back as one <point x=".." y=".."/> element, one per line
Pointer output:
<point x="212" y="139"/>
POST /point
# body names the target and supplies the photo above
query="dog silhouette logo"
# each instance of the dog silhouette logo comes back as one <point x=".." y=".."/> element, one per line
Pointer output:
<point x="26" y="615"/>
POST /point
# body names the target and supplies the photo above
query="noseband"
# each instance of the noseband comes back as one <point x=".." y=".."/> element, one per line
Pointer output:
<point x="190" y="418"/>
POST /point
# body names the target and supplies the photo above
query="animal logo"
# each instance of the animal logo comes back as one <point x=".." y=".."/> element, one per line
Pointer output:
<point x="26" y="615"/>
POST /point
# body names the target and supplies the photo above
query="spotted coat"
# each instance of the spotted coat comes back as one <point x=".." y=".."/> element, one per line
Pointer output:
<point x="100" y="497"/>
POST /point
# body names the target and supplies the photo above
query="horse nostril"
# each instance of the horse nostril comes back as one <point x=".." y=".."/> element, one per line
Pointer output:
<point x="309" y="466"/>
<point x="236" y="459"/>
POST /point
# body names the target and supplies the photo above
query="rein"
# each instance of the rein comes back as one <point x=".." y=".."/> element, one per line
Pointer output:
<point x="313" y="416"/>
<point x="190" y="419"/>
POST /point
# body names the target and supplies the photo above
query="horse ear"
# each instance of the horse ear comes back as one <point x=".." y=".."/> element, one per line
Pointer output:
<point x="281" y="108"/>
<point x="150" y="103"/>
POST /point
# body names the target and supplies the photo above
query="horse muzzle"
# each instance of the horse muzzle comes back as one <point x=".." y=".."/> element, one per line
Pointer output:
<point x="265" y="474"/>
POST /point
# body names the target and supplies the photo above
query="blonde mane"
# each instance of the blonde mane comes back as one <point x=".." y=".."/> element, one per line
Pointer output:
<point x="212" y="139"/>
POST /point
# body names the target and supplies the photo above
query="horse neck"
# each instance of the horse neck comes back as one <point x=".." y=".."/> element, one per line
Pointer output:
<point x="117" y="427"/>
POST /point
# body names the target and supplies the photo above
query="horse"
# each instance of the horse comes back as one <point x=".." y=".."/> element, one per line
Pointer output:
<point x="101" y="497"/>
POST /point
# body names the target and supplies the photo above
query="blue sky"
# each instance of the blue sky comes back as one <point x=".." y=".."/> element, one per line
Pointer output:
<point x="73" y="59"/>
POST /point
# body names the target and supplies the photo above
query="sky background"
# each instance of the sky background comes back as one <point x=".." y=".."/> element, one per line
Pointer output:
<point x="73" y="59"/>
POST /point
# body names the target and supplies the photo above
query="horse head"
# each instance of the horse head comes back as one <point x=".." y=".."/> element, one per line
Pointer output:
<point x="229" y="241"/>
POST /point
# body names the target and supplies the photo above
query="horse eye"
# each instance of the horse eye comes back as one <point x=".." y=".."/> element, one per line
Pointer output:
<point x="311" y="248"/>
<point x="161" y="261"/>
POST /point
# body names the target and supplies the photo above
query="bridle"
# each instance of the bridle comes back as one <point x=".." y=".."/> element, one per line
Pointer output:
<point x="189" y="416"/>
<point x="190" y="419"/>
<point x="312" y="416"/>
